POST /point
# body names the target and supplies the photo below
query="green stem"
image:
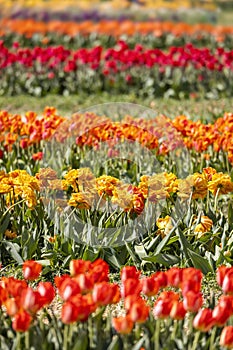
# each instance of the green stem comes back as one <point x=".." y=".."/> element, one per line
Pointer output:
<point x="212" y="339"/>
<point x="216" y="200"/>
<point x="27" y="340"/>
<point x="65" y="339"/>
<point x="175" y="325"/>
<point x="156" y="335"/>
<point x="195" y="342"/>
<point x="18" y="341"/>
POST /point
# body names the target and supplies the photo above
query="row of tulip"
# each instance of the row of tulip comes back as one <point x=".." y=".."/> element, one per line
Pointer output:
<point x="29" y="27"/>
<point x="95" y="15"/>
<point x="159" y="134"/>
<point x="117" y="4"/>
<point x="148" y="72"/>
<point x="86" y="189"/>
<point x="142" y="303"/>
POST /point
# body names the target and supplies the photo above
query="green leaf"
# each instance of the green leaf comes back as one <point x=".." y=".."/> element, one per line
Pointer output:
<point x="140" y="250"/>
<point x="4" y="223"/>
<point x="116" y="344"/>
<point x="199" y="262"/>
<point x="151" y="244"/>
<point x="139" y="344"/>
<point x="230" y="214"/>
<point x="44" y="262"/>
<point x="131" y="253"/>
<point x="81" y="342"/>
<point x="185" y="245"/>
<point x="164" y="259"/>
<point x="89" y="254"/>
<point x="11" y="247"/>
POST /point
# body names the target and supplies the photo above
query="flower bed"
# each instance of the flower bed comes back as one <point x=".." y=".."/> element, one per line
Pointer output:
<point x="166" y="308"/>
<point x="179" y="207"/>
<point x="176" y="73"/>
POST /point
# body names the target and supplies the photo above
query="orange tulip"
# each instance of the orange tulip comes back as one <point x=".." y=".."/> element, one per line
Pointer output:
<point x="12" y="306"/>
<point x="123" y="324"/>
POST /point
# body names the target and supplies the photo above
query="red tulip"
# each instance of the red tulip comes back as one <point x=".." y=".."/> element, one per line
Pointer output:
<point x="149" y="286"/>
<point x="227" y="283"/>
<point x="46" y="291"/>
<point x="3" y="294"/>
<point x="84" y="304"/>
<point x="31" y="300"/>
<point x="85" y="282"/>
<point x="221" y="273"/>
<point x="37" y="156"/>
<point x="60" y="279"/>
<point x="99" y="271"/>
<point x="69" y="313"/>
<point x="161" y="278"/>
<point x="139" y="311"/>
<point x="203" y="320"/>
<point x="192" y="301"/>
<point x="220" y="315"/>
<point x="21" y="321"/>
<point x="227" y="302"/>
<point x="164" y="303"/>
<point x="79" y="267"/>
<point x="31" y="270"/>
<point x="178" y="311"/>
<point x="130" y="286"/>
<point x="129" y="272"/>
<point x="105" y="293"/>
<point x="174" y="276"/>
<point x="13" y="286"/>
<point x="191" y="273"/>
<point x="226" y="337"/>
<point x="192" y="285"/>
<point x="68" y="288"/>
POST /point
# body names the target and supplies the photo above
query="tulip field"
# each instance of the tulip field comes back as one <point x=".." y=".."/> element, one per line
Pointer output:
<point x="116" y="215"/>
